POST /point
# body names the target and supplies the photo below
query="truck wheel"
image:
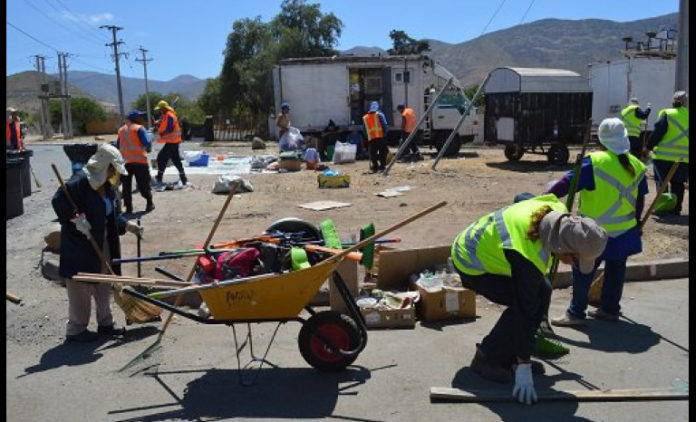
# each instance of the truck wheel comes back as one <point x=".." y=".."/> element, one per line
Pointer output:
<point x="558" y="154"/>
<point x="295" y="225"/>
<point x="453" y="149"/>
<point x="514" y="152"/>
<point x="340" y="329"/>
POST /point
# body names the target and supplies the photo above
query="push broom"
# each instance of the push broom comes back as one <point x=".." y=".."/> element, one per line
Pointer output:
<point x="136" y="310"/>
<point x="595" y="292"/>
<point x="234" y="187"/>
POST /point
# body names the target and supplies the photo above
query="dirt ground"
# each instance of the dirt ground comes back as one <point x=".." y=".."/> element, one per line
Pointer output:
<point x="479" y="181"/>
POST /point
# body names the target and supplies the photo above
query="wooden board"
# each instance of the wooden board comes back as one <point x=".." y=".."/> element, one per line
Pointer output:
<point x="636" y="394"/>
<point x="323" y="205"/>
<point x="389" y="194"/>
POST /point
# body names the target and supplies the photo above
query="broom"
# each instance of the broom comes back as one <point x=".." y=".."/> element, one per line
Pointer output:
<point x="234" y="187"/>
<point x="136" y="310"/>
<point x="595" y="293"/>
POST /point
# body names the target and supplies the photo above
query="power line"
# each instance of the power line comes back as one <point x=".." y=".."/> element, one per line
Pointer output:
<point x="59" y="23"/>
<point x="493" y="17"/>
<point x="32" y="37"/>
<point x="88" y="26"/>
<point x="100" y="39"/>
<point x="526" y="11"/>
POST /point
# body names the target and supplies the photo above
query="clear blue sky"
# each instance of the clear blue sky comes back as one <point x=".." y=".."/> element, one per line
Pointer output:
<point x="188" y="37"/>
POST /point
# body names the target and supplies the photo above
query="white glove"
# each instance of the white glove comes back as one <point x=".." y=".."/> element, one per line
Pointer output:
<point x="137" y="230"/>
<point x="81" y="223"/>
<point x="524" y="384"/>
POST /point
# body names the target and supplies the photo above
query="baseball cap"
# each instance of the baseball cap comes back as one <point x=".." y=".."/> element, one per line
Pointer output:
<point x="134" y="114"/>
<point x="374" y="106"/>
<point x="565" y="233"/>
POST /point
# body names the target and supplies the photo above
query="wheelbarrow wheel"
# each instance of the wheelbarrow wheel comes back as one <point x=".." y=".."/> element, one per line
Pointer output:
<point x="295" y="225"/>
<point x="337" y="327"/>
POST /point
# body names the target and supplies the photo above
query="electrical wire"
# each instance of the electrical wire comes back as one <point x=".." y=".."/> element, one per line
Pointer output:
<point x="101" y="34"/>
<point x="493" y="17"/>
<point x="78" y="21"/>
<point x="32" y="37"/>
<point x="526" y="11"/>
<point x="58" y="23"/>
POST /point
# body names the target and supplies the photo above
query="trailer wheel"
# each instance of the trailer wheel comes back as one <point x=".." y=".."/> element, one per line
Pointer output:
<point x="514" y="152"/>
<point x="295" y="225"/>
<point x="337" y="327"/>
<point x="453" y="149"/>
<point x="558" y="154"/>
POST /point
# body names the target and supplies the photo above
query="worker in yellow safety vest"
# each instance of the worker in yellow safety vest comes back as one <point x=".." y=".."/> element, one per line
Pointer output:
<point x="408" y="125"/>
<point x="134" y="145"/>
<point x="505" y="256"/>
<point x="612" y="187"/>
<point x="375" y="126"/>
<point x="170" y="136"/>
<point x="634" y="117"/>
<point x="13" y="140"/>
<point x="669" y="142"/>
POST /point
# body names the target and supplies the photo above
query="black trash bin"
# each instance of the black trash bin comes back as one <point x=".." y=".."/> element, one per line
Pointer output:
<point x="25" y="170"/>
<point x="13" y="189"/>
<point x="208" y="132"/>
<point x="79" y="154"/>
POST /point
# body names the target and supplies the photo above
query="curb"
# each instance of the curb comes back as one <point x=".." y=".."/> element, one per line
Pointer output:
<point x="639" y="271"/>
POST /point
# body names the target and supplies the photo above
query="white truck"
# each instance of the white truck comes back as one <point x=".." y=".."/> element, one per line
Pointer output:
<point x="340" y="88"/>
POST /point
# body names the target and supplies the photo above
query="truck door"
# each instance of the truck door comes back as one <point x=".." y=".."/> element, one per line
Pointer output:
<point x="387" y="108"/>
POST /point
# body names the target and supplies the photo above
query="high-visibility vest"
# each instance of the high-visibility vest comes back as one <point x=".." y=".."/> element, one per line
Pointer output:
<point x="18" y="133"/>
<point x="373" y="126"/>
<point x="479" y="248"/>
<point x="410" y="117"/>
<point x="173" y="137"/>
<point x="674" y="145"/>
<point x="632" y="123"/>
<point x="612" y="204"/>
<point x="130" y="145"/>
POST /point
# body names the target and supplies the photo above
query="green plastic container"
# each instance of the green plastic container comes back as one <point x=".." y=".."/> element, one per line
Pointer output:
<point x="329" y="152"/>
<point x="667" y="202"/>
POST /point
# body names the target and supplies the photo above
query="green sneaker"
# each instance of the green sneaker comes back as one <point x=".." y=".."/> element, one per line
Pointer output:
<point x="548" y="347"/>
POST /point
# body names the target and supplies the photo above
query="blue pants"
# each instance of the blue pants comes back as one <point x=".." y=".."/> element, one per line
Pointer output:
<point x="612" y="288"/>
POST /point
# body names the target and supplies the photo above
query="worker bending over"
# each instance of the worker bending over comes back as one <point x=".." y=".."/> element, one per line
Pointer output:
<point x="634" y="117"/>
<point x="170" y="136"/>
<point x="504" y="256"/>
<point x="134" y="146"/>
<point x="669" y="142"/>
<point x="408" y="125"/>
<point x="612" y="188"/>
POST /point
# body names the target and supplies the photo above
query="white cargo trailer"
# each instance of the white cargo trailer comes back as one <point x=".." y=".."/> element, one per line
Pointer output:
<point x="341" y="88"/>
<point x="614" y="83"/>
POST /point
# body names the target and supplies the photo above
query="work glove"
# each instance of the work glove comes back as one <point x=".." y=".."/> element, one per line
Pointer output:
<point x="524" y="384"/>
<point x="137" y="230"/>
<point x="81" y="224"/>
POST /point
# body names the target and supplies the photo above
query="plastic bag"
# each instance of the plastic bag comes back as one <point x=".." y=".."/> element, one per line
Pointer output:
<point x="291" y="140"/>
<point x="344" y="153"/>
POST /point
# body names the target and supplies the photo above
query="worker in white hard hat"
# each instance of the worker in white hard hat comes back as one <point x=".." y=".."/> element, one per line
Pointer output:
<point x="669" y="142"/>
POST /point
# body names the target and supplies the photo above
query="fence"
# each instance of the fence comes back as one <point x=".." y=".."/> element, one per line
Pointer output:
<point x="239" y="128"/>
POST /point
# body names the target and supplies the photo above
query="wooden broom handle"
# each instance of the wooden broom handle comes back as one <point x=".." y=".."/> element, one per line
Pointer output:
<point x="385" y="232"/>
<point x="663" y="187"/>
<point x="96" y="247"/>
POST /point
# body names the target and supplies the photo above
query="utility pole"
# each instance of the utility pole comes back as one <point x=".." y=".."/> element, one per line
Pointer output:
<point x="44" y="113"/>
<point x="64" y="112"/>
<point x="147" y="90"/>
<point x="115" y="44"/>
<point x="681" y="78"/>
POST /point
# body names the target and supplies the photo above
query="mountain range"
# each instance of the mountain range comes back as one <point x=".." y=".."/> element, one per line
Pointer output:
<point x="551" y="43"/>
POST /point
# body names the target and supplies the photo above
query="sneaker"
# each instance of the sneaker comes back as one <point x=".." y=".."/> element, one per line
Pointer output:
<point x="160" y="186"/>
<point x="150" y="206"/>
<point x="83" y="337"/>
<point x="179" y="185"/>
<point x="111" y="330"/>
<point x="568" y="320"/>
<point x="492" y="371"/>
<point x="600" y="314"/>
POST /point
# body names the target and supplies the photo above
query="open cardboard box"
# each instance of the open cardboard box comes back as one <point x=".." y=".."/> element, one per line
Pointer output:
<point x="395" y="267"/>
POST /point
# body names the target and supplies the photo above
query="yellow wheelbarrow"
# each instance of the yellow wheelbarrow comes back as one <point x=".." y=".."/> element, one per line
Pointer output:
<point x="328" y="340"/>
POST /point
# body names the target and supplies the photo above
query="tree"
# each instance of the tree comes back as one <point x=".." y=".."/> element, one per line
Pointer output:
<point x="302" y="30"/>
<point x="184" y="108"/>
<point x="209" y="100"/>
<point x="479" y="103"/>
<point x="403" y="44"/>
<point x="82" y="109"/>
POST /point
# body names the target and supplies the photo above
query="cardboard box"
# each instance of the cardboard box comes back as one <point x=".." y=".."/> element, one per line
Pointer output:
<point x="395" y="266"/>
<point x="338" y="181"/>
<point x="447" y="303"/>
<point x="389" y="318"/>
<point x="349" y="273"/>
<point x="290" y="164"/>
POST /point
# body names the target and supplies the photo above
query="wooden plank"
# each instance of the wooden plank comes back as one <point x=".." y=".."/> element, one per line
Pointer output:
<point x="483" y="396"/>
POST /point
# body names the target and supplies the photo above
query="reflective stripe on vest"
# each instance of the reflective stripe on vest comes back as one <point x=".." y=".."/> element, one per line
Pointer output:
<point x="173" y="137"/>
<point x="613" y="202"/>
<point x="130" y="146"/>
<point x="410" y="116"/>
<point x="479" y="249"/>
<point x="632" y="123"/>
<point x="373" y="126"/>
<point x="675" y="143"/>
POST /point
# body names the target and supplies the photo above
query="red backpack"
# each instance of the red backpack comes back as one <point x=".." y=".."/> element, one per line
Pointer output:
<point x="235" y="264"/>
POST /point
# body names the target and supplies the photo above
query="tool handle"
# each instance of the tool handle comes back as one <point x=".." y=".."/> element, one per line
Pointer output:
<point x="140" y="265"/>
<point x="12" y="298"/>
<point x="663" y="187"/>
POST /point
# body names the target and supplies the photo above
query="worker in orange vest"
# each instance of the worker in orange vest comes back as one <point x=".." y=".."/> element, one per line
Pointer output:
<point x="375" y="126"/>
<point x="134" y="146"/>
<point x="408" y="125"/>
<point x="14" y="131"/>
<point x="170" y="136"/>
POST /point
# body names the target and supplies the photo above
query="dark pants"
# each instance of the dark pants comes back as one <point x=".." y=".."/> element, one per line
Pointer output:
<point x="636" y="145"/>
<point x="413" y="145"/>
<point x="527" y="301"/>
<point x="612" y="288"/>
<point x="378" y="153"/>
<point x="676" y="184"/>
<point x="141" y="172"/>
<point x="170" y="150"/>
